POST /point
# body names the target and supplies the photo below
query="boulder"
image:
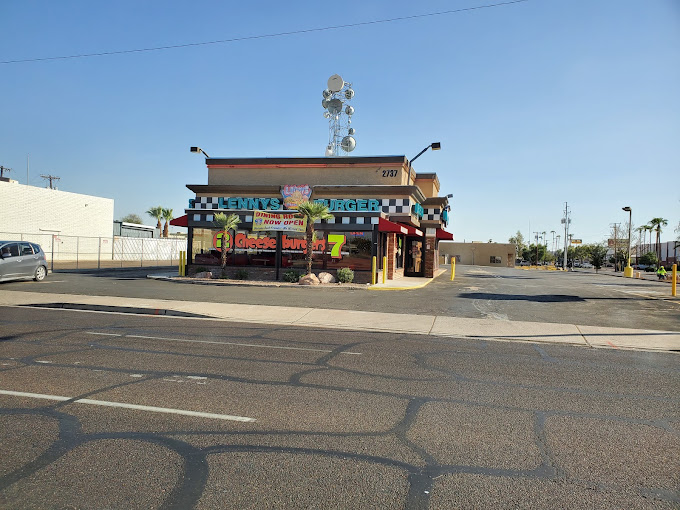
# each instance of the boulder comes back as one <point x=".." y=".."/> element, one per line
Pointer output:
<point x="326" y="278"/>
<point x="309" y="279"/>
<point x="203" y="274"/>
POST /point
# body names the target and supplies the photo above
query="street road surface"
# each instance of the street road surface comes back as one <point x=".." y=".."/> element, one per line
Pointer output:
<point x="105" y="410"/>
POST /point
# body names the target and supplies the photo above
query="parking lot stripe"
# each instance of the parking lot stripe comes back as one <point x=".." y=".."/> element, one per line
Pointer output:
<point x="225" y="343"/>
<point x="123" y="405"/>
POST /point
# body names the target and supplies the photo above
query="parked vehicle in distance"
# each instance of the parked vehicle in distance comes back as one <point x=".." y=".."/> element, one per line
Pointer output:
<point x="587" y="265"/>
<point x="525" y="263"/>
<point x="21" y="260"/>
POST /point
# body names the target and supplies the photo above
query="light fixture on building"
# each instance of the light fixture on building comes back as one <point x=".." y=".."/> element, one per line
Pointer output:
<point x="198" y="150"/>
<point x="435" y="146"/>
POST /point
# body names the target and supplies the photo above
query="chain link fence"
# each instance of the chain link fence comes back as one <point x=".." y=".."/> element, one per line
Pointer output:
<point x="82" y="252"/>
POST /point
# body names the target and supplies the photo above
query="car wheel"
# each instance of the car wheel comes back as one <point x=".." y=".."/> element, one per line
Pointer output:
<point x="40" y="273"/>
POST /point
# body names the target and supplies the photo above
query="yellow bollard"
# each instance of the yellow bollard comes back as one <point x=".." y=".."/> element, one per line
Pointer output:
<point x="179" y="265"/>
<point x="674" y="283"/>
<point x="184" y="263"/>
<point x="373" y="275"/>
<point x="384" y="268"/>
<point x="453" y="268"/>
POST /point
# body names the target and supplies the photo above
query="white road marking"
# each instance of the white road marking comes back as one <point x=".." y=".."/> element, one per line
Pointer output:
<point x="196" y="377"/>
<point x="42" y="361"/>
<point x="220" y="343"/>
<point x="123" y="405"/>
<point x="136" y="375"/>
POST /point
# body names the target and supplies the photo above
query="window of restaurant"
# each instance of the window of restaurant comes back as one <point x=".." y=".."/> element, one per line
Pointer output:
<point x="332" y="250"/>
<point x="245" y="249"/>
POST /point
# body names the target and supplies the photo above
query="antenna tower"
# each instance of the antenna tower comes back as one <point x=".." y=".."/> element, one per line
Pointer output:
<point x="338" y="111"/>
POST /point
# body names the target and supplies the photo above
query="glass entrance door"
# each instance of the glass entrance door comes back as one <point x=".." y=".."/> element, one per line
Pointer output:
<point x="414" y="257"/>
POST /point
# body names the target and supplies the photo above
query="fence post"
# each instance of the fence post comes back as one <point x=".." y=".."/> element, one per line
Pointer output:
<point x="52" y="261"/>
<point x="99" y="254"/>
<point x="77" y="250"/>
<point x="141" y="258"/>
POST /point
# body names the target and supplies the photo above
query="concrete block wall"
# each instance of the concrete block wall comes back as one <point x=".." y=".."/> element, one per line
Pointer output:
<point x="32" y="210"/>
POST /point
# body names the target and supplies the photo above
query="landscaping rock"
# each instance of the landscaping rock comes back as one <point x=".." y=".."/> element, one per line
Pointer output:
<point x="204" y="274"/>
<point x="326" y="278"/>
<point x="309" y="279"/>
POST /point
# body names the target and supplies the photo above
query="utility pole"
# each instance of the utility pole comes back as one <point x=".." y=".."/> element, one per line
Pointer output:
<point x="566" y="221"/>
<point x="51" y="178"/>
<point x="4" y="169"/>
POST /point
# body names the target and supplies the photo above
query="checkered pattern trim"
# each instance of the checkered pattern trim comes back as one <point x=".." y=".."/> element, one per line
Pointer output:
<point x="206" y="203"/>
<point x="342" y="220"/>
<point x="396" y="205"/>
<point x="432" y="215"/>
<point x="353" y="220"/>
<point x="245" y="218"/>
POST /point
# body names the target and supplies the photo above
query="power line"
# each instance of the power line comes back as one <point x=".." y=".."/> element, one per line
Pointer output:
<point x="263" y="36"/>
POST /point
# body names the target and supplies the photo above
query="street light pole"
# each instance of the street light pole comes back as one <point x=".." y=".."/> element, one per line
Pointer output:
<point x="628" y="271"/>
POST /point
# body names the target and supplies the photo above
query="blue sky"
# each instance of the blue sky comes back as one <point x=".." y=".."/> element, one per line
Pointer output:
<point x="535" y="104"/>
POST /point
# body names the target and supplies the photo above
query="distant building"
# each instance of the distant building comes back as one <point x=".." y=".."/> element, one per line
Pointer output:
<point x="126" y="229"/>
<point x="478" y="254"/>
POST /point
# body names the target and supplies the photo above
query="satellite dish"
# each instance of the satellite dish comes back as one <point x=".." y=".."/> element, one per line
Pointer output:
<point x="327" y="115"/>
<point x="327" y="93"/>
<point x="351" y="131"/>
<point x="329" y="150"/>
<point x="324" y="103"/>
<point x="335" y="83"/>
<point x="334" y="106"/>
<point x="348" y="144"/>
<point x="349" y="93"/>
<point x="349" y="110"/>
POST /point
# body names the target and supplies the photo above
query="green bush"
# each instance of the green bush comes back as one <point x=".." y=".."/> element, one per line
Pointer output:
<point x="241" y="274"/>
<point x="291" y="276"/>
<point x="199" y="269"/>
<point x="345" y="275"/>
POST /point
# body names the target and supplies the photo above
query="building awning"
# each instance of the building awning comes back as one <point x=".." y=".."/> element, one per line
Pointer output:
<point x="389" y="226"/>
<point x="413" y="231"/>
<point x="181" y="221"/>
<point x="444" y="235"/>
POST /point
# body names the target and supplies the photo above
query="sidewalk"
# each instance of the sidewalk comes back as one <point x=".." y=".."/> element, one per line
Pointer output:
<point x="441" y="326"/>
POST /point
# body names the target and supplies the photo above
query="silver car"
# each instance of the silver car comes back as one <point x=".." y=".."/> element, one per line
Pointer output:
<point x="22" y="260"/>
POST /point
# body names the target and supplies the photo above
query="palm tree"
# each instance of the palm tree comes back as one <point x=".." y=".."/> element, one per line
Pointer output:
<point x="312" y="211"/>
<point x="641" y="230"/>
<point x="156" y="212"/>
<point x="658" y="223"/>
<point x="167" y="216"/>
<point x="225" y="223"/>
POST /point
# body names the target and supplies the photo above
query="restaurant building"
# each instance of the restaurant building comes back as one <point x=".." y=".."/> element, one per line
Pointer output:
<point x="381" y="207"/>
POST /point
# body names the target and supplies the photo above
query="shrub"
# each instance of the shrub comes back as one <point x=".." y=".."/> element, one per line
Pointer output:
<point x="241" y="274"/>
<point x="345" y="275"/>
<point x="291" y="276"/>
<point x="199" y="269"/>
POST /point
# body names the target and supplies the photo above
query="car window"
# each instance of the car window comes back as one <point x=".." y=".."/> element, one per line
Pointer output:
<point x="36" y="248"/>
<point x="10" y="250"/>
<point x="25" y="249"/>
